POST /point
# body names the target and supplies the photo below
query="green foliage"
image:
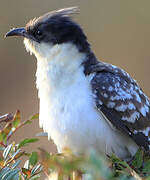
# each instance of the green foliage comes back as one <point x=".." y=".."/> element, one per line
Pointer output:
<point x="138" y="159"/>
<point x="27" y="141"/>
<point x="67" y="165"/>
<point x="11" y="153"/>
<point x="33" y="159"/>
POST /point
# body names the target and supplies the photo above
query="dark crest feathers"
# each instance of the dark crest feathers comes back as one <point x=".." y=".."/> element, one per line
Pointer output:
<point x="66" y="12"/>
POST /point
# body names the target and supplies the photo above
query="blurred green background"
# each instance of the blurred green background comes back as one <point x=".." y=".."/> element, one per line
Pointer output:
<point x="118" y="30"/>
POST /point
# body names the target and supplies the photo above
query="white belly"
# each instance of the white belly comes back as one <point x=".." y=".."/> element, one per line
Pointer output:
<point x="71" y="120"/>
<point x="67" y="107"/>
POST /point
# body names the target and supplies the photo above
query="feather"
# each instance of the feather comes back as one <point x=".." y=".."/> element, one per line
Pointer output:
<point x="122" y="101"/>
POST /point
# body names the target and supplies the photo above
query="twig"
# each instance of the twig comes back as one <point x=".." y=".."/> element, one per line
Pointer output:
<point x="4" y="145"/>
<point x="22" y="176"/>
<point x="21" y="125"/>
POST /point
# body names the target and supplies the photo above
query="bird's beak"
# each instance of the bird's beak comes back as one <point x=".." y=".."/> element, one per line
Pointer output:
<point x="17" y="32"/>
<point x="20" y="32"/>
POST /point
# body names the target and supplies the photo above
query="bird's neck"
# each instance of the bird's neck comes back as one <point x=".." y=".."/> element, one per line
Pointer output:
<point x="59" y="66"/>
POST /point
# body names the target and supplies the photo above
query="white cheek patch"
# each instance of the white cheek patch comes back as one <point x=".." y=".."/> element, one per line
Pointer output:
<point x="41" y="50"/>
<point x="28" y="45"/>
<point x="38" y="49"/>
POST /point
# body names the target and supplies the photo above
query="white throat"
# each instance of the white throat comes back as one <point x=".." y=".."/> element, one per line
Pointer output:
<point x="67" y="107"/>
<point x="58" y="63"/>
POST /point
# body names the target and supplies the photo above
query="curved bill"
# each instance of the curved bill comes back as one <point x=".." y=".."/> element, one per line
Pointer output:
<point x="16" y="32"/>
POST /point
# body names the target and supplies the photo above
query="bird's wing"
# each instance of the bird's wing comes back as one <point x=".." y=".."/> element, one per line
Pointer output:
<point x="119" y="98"/>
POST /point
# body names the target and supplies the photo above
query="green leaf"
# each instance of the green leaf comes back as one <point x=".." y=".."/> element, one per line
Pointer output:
<point x="4" y="132"/>
<point x="7" y="151"/>
<point x="11" y="175"/>
<point x="121" y="164"/>
<point x="35" y="116"/>
<point x="146" y="168"/>
<point x="27" y="122"/>
<point x="17" y="119"/>
<point x="15" y="176"/>
<point x="33" y="159"/>
<point x="4" y="171"/>
<point x="20" y="178"/>
<point x="26" y="164"/>
<point x="36" y="168"/>
<point x="2" y="136"/>
<point x="137" y="162"/>
<point x="27" y="141"/>
<point x="7" y="128"/>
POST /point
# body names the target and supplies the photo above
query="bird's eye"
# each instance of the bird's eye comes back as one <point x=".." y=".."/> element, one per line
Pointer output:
<point x="38" y="33"/>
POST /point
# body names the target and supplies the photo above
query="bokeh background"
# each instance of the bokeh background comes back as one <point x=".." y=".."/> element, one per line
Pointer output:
<point x="118" y="30"/>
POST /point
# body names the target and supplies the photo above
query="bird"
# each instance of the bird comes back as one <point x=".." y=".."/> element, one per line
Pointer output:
<point x="85" y="103"/>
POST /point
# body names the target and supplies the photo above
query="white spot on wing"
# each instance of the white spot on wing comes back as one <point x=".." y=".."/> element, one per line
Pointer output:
<point x="131" y="106"/>
<point x="100" y="102"/>
<point x="137" y="97"/>
<point x="146" y="108"/>
<point x="132" y="118"/>
<point x="105" y="95"/>
<point x="122" y="107"/>
<point x="145" y="132"/>
<point x="147" y="101"/>
<point x="110" y="88"/>
<point x="111" y="104"/>
<point x="143" y="111"/>
<point x="140" y="91"/>
<point x="121" y="95"/>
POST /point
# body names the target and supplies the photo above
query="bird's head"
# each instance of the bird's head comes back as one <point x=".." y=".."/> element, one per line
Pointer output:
<point x="53" y="28"/>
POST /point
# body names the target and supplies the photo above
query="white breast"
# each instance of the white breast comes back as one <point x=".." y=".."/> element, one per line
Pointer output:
<point x="67" y="109"/>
